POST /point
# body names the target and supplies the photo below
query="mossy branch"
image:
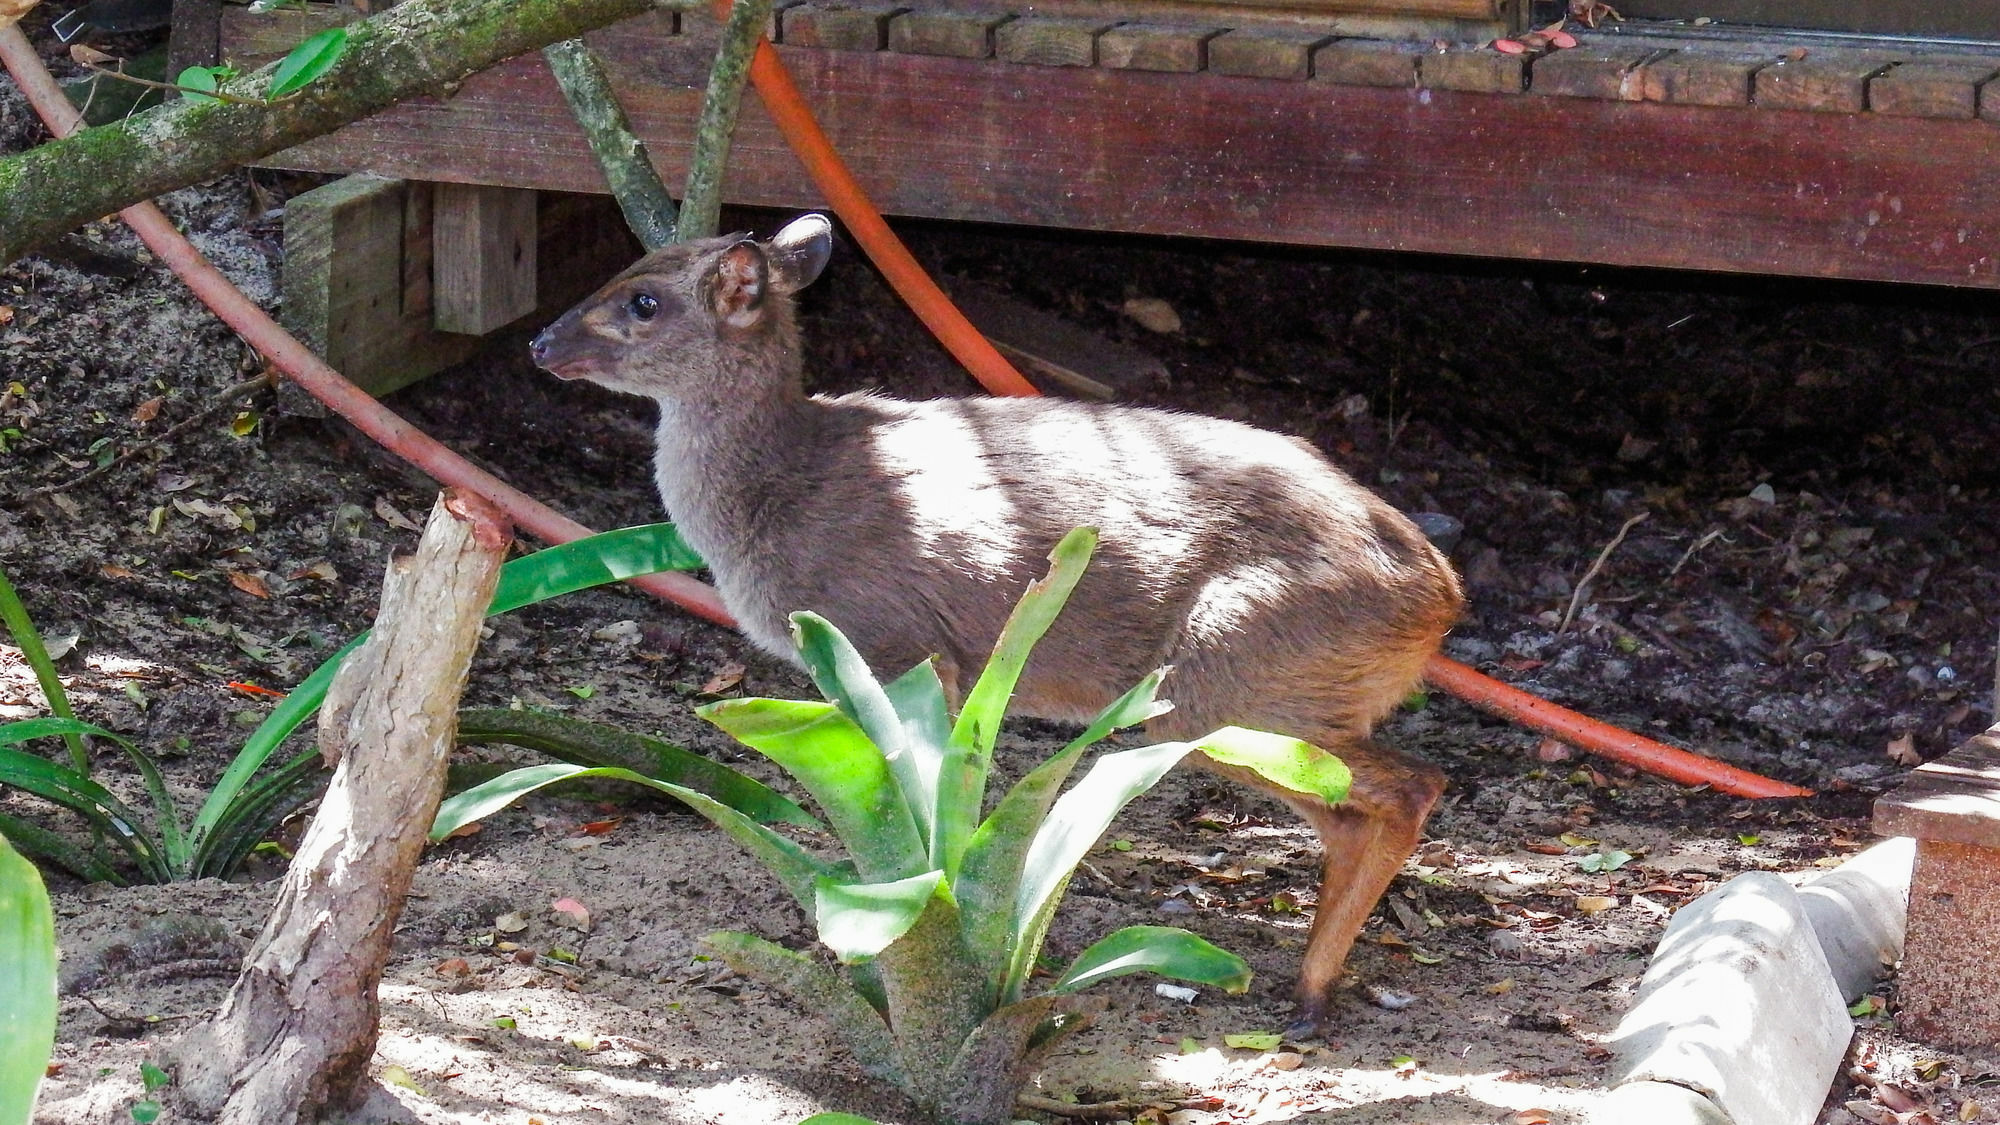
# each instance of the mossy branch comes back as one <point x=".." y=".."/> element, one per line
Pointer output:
<point x="422" y="47"/>
<point x="620" y="154"/>
<point x="701" y="203"/>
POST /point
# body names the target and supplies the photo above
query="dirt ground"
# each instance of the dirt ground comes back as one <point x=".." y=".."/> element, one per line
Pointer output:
<point x="1808" y="596"/>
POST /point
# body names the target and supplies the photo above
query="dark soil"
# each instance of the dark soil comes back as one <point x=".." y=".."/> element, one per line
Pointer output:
<point x="1806" y="596"/>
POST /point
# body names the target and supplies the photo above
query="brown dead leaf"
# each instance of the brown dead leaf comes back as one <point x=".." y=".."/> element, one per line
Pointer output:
<point x="452" y="967"/>
<point x="600" y="827"/>
<point x="321" y="570"/>
<point x="148" y="410"/>
<point x="1154" y="315"/>
<point x="1594" y="904"/>
<point x="82" y="54"/>
<point x="464" y="830"/>
<point x="1902" y="750"/>
<point x="1554" y="750"/>
<point x="113" y="570"/>
<point x="725" y="678"/>
<point x="1530" y="1117"/>
<point x="248" y="583"/>
<point x="1540" y="848"/>
<point x="388" y="514"/>
<point x="6" y="314"/>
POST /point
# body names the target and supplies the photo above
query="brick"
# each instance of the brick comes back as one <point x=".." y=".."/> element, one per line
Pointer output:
<point x="1702" y="77"/>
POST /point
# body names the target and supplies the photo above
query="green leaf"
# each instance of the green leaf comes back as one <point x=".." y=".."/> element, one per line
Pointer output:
<point x="77" y="793"/>
<point x="1253" y="1040"/>
<point x="29" y="641"/>
<point x="838" y="1119"/>
<point x="198" y="78"/>
<point x="1073" y="825"/>
<point x="859" y="920"/>
<point x="308" y="61"/>
<point x="844" y="678"/>
<point x="792" y="864"/>
<point x="1164" y="950"/>
<point x="596" y="744"/>
<point x="146" y="1112"/>
<point x="153" y="1078"/>
<point x="594" y="560"/>
<point x="962" y="780"/>
<point x="989" y="878"/>
<point x="1602" y="862"/>
<point x="27" y="985"/>
<point x="1298" y="766"/>
<point x="844" y="771"/>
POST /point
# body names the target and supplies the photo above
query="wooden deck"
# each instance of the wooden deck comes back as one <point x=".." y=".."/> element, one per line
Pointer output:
<point x="1816" y="161"/>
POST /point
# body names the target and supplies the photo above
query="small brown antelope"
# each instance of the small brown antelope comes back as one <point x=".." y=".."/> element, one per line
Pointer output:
<point x="1286" y="596"/>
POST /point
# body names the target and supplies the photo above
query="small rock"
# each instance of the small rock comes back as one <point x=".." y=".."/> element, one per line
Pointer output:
<point x="1442" y="530"/>
<point x="1154" y="315"/>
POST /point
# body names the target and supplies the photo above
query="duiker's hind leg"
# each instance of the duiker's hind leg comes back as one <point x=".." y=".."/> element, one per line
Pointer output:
<point x="1365" y="841"/>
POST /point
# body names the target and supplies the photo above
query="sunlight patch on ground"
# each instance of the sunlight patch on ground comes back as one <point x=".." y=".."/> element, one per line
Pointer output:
<point x="1252" y="1088"/>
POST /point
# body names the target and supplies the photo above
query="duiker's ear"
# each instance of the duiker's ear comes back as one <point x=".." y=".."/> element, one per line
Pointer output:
<point x="799" y="252"/>
<point x="736" y="287"/>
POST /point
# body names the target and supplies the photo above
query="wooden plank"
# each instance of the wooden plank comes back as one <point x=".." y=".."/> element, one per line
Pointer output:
<point x="482" y="257"/>
<point x="839" y="27"/>
<point x="257" y="37"/>
<point x="1636" y="183"/>
<point x="1473" y="70"/>
<point x="1052" y="349"/>
<point x="1173" y="48"/>
<point x="958" y="35"/>
<point x="1367" y="62"/>
<point x="1944" y="87"/>
<point x="1823" y="81"/>
<point x="1703" y="77"/>
<point x="1265" y="52"/>
<point x="1045" y="41"/>
<point x="1593" y="70"/>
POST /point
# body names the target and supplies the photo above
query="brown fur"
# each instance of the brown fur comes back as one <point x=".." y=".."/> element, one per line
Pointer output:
<point x="1286" y="596"/>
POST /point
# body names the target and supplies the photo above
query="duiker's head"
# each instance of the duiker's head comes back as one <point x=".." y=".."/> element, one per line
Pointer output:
<point x="674" y="315"/>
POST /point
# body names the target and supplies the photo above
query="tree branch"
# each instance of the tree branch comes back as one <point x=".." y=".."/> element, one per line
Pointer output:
<point x="422" y="47"/>
<point x="701" y="202"/>
<point x="621" y="155"/>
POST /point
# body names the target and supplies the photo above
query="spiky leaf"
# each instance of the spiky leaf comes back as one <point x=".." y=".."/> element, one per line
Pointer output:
<point x="1165" y="950"/>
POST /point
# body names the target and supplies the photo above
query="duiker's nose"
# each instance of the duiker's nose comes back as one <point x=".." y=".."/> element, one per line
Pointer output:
<point x="539" y="349"/>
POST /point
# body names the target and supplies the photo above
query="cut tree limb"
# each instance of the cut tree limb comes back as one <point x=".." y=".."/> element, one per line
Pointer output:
<point x="299" y="1027"/>
<point x="422" y="47"/>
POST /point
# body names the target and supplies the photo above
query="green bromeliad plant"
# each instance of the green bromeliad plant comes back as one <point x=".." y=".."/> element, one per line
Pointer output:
<point x="935" y="915"/>
<point x="149" y="841"/>
<point x="27" y="985"/>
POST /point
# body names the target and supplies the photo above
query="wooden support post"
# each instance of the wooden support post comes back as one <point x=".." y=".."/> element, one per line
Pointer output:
<point x="359" y="285"/>
<point x="295" y="1036"/>
<point x="482" y="257"/>
<point x="1950" y="985"/>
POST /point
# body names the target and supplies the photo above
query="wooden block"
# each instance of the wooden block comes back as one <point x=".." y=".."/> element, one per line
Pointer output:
<point x="958" y="35"/>
<point x="1367" y="62"/>
<point x="1827" y="81"/>
<point x="1265" y="52"/>
<point x="1049" y="42"/>
<point x="1477" y="70"/>
<point x="344" y="284"/>
<point x="254" y="38"/>
<point x="1932" y="88"/>
<point x="1592" y="70"/>
<point x="483" y="257"/>
<point x="1050" y="348"/>
<point x="1989" y="101"/>
<point x="1720" y="78"/>
<point x="838" y="27"/>
<point x="1155" y="46"/>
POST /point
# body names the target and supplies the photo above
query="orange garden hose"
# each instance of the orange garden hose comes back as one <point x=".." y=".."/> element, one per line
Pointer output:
<point x="787" y="107"/>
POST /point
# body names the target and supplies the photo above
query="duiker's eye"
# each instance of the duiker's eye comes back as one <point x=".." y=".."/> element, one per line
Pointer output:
<point x="643" y="306"/>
